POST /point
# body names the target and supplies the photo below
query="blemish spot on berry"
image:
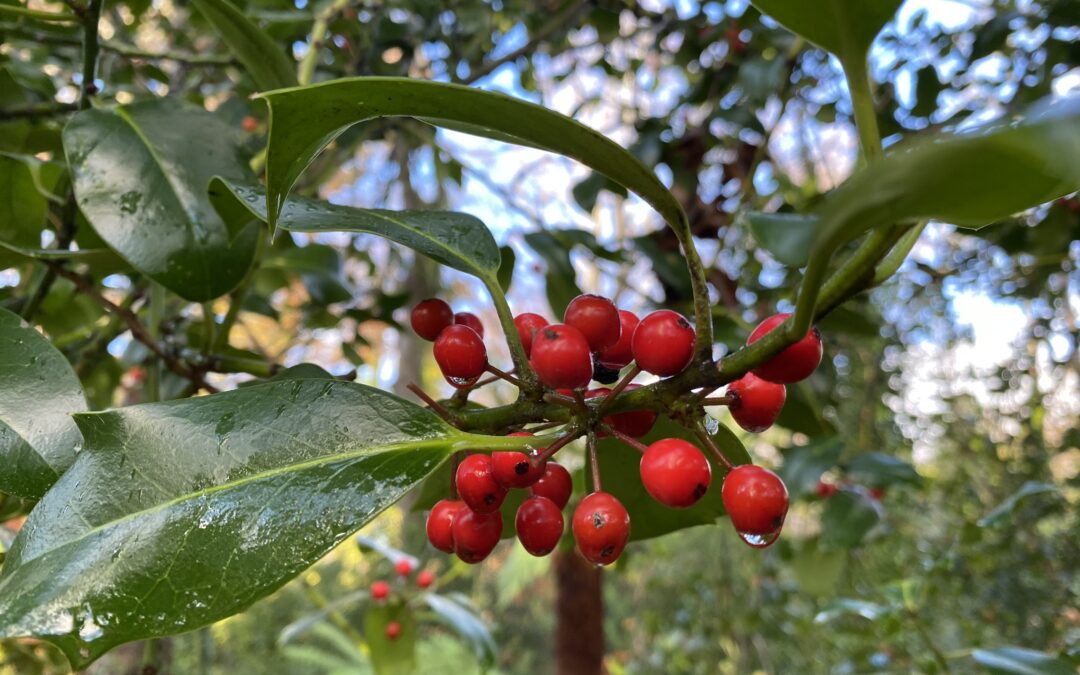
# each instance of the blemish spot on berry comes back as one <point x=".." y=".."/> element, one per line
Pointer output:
<point x="550" y="334"/>
<point x="489" y="498"/>
<point x="521" y="468"/>
<point x="700" y="490"/>
<point x="597" y="520"/>
<point x="683" y="323"/>
<point x="607" y="551"/>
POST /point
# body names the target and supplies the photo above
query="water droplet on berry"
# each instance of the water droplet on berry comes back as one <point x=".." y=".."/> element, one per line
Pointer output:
<point x="761" y="540"/>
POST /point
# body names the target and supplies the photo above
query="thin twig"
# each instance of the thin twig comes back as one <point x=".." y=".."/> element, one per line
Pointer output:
<point x="431" y="403"/>
<point x="503" y="375"/>
<point x="37" y="110"/>
<point x="549" y="451"/>
<point x="710" y="445"/>
<point x="726" y="399"/>
<point x="627" y="379"/>
<point x="625" y="438"/>
<point x="594" y="461"/>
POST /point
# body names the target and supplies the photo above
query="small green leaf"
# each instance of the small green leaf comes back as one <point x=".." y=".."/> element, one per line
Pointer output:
<point x="456" y="240"/>
<point x="787" y="236"/>
<point x="183" y="513"/>
<point x="391" y="657"/>
<point x="802" y="412"/>
<point x="22" y="209"/>
<point x="467" y="624"/>
<point x="257" y="51"/>
<point x="876" y="469"/>
<point x="506" y="267"/>
<point x="619" y="467"/>
<point x="844" y="27"/>
<point x="847" y="518"/>
<point x="587" y="191"/>
<point x="303" y="120"/>
<point x="1005" y="510"/>
<point x="38" y="393"/>
<point x="1020" y="661"/>
<point x="140" y="175"/>
<point x="804" y="464"/>
<point x="870" y="611"/>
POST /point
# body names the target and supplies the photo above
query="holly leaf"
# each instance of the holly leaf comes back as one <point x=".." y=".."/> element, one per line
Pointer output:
<point x="257" y="51"/>
<point x="1020" y="661"/>
<point x="178" y="514"/>
<point x="140" y="174"/>
<point x="787" y="236"/>
<point x="391" y="656"/>
<point x="466" y="623"/>
<point x="38" y="393"/>
<point x="844" y="27"/>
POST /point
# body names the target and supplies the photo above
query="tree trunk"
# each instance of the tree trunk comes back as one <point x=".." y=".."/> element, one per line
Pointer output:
<point x="579" y="616"/>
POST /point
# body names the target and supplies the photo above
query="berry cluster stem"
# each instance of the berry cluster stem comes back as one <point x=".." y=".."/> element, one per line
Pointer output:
<point x="594" y="462"/>
<point x="618" y="389"/>
<point x="625" y="438"/>
<point x="431" y="403"/>
<point x="559" y="444"/>
<point x="710" y="445"/>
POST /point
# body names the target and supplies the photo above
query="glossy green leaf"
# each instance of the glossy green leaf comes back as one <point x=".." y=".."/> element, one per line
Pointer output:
<point x="22" y="209"/>
<point x="848" y="517"/>
<point x="91" y="256"/>
<point x="141" y="173"/>
<point x="391" y="657"/>
<point x="257" y="51"/>
<point x="465" y="621"/>
<point x="1004" y="511"/>
<point x="303" y="120"/>
<point x="178" y="514"/>
<point x="456" y="240"/>
<point x="1020" y="661"/>
<point x="506" y="267"/>
<point x="844" y="27"/>
<point x="787" y="236"/>
<point x="619" y="468"/>
<point x="802" y="412"/>
<point x="38" y="393"/>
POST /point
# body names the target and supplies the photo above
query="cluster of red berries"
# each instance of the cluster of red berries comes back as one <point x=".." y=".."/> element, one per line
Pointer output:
<point x="380" y="590"/>
<point x="595" y="342"/>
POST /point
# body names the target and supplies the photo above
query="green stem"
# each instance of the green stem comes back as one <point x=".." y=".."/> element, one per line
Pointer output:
<point x="91" y="49"/>
<point x="306" y="71"/>
<point x="700" y="285"/>
<point x="237" y="297"/>
<point x="891" y="262"/>
<point x="862" y="103"/>
<point x="513" y="339"/>
<point x="50" y="17"/>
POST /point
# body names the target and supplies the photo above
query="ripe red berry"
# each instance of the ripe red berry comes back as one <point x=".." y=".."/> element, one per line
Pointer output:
<point x="601" y="528"/>
<point x="425" y="579"/>
<point x="527" y="324"/>
<point x="597" y="318"/>
<point x="620" y="354"/>
<point x="756" y="500"/>
<point x="675" y="473"/>
<point x="561" y="358"/>
<point x="471" y="320"/>
<point x="380" y="590"/>
<point x="663" y="343"/>
<point x="249" y="124"/>
<point x="825" y="490"/>
<point x="513" y="469"/>
<point x="439" y="522"/>
<point x="633" y="423"/>
<point x="796" y="362"/>
<point x="556" y="484"/>
<point x="430" y="317"/>
<point x="757" y="403"/>
<point x="461" y="354"/>
<point x="393" y="630"/>
<point x="539" y="525"/>
<point x="403" y="568"/>
<point x="475" y="480"/>
<point x="476" y="535"/>
<point x="877" y="493"/>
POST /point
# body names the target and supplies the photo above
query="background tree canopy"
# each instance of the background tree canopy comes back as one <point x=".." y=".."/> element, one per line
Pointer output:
<point x="933" y="459"/>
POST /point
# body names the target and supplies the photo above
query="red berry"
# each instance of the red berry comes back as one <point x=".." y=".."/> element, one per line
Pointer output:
<point x="663" y="343"/>
<point x="476" y="535"/>
<point x="471" y="320"/>
<point x="634" y="423"/>
<point x="620" y="354"/>
<point x="675" y="473"/>
<point x="249" y="124"/>
<point x="461" y="354"/>
<point x="561" y="358"/>
<point x="403" y="568"/>
<point x="393" y="630"/>
<point x="439" y="522"/>
<point x="796" y="362"/>
<point x="877" y="493"/>
<point x="556" y="484"/>
<point x="757" y="403"/>
<point x="425" y="579"/>
<point x="825" y="490"/>
<point x="539" y="525"/>
<point x="601" y="528"/>
<point x="430" y="317"/>
<point x="380" y="590"/>
<point x="513" y="469"/>
<point x="527" y="324"/>
<point x="597" y="318"/>
<point x="756" y="499"/>
<point x="475" y="480"/>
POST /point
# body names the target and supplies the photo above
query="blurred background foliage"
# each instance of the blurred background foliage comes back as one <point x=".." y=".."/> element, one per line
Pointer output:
<point x="934" y="458"/>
